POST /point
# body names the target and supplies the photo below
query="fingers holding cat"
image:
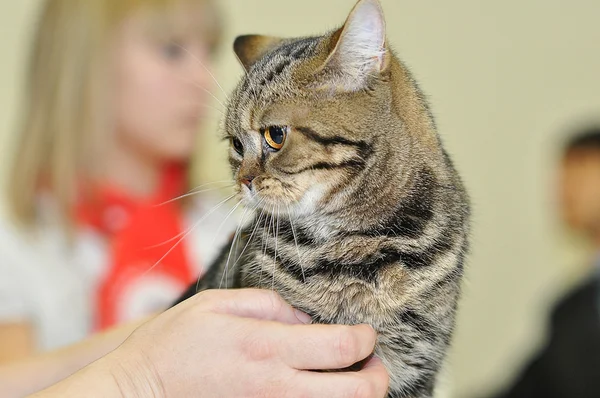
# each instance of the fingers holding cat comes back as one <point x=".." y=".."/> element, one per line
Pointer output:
<point x="307" y="347"/>
<point x="303" y="348"/>
<point x="251" y="343"/>
<point x="321" y="347"/>
<point x="249" y="303"/>
<point x="372" y="381"/>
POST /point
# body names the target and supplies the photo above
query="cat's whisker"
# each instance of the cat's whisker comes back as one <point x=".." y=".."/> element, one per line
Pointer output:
<point x="201" y="87"/>
<point x="296" y="244"/>
<point x="262" y="212"/>
<point x="235" y="238"/>
<point x="211" y="183"/>
<point x="258" y="223"/>
<point x="226" y="218"/>
<point x="205" y="68"/>
<point x="207" y="92"/>
<point x="172" y="200"/>
<point x="218" y="231"/>
<point x="266" y="233"/>
<point x="212" y="108"/>
<point x="190" y="230"/>
<point x="235" y="249"/>
<point x="196" y="192"/>
<point x="199" y="187"/>
<point x="276" y="241"/>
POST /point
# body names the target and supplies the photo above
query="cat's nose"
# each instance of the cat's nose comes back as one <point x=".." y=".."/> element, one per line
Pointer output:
<point x="247" y="181"/>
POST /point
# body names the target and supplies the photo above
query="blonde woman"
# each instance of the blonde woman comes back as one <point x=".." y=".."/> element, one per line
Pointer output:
<point x="116" y="90"/>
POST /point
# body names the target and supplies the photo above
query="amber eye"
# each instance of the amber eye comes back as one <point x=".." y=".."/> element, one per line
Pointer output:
<point x="237" y="145"/>
<point x="275" y="136"/>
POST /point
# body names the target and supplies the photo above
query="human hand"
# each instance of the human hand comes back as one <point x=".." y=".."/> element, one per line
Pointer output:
<point x="250" y="343"/>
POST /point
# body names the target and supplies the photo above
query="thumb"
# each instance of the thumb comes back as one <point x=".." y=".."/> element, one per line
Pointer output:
<point x="259" y="304"/>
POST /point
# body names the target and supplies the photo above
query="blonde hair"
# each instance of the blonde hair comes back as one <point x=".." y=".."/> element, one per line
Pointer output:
<point x="65" y="100"/>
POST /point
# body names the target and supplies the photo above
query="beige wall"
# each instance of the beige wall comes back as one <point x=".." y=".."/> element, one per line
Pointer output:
<point x="504" y="78"/>
<point x="16" y="25"/>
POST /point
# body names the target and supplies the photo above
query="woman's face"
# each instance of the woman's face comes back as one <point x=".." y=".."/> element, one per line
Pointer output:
<point x="162" y="85"/>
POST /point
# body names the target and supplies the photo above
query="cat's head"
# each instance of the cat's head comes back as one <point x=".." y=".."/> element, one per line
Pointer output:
<point x="313" y="120"/>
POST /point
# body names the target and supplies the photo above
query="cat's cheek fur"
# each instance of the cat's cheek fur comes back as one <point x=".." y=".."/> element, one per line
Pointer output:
<point x="310" y="200"/>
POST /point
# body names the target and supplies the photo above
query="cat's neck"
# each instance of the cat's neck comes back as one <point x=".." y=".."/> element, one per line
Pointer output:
<point x="409" y="105"/>
<point x="380" y="214"/>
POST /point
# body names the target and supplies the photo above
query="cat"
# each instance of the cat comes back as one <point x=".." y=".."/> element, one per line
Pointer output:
<point x="359" y="215"/>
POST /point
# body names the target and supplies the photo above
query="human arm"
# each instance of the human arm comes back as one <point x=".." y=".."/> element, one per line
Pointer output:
<point x="16" y="341"/>
<point x="35" y="372"/>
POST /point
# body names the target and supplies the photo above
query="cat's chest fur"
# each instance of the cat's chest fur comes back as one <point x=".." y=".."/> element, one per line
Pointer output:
<point x="328" y="279"/>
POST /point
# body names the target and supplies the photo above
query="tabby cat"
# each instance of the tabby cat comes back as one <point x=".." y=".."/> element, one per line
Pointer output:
<point x="358" y="213"/>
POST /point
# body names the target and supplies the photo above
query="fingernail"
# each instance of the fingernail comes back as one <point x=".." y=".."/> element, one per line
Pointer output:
<point x="303" y="317"/>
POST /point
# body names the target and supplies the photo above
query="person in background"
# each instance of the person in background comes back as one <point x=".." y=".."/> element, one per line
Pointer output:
<point x="116" y="91"/>
<point x="568" y="366"/>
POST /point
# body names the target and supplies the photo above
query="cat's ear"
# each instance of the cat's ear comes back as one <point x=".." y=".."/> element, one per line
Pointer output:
<point x="359" y="47"/>
<point x="251" y="48"/>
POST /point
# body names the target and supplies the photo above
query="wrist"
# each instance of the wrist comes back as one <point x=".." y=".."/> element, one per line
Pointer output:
<point x="134" y="374"/>
<point x="95" y="380"/>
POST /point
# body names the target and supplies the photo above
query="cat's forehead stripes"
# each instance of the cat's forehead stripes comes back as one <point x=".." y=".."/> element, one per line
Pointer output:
<point x="298" y="49"/>
<point x="266" y="80"/>
<point x="276" y="66"/>
<point x="282" y="58"/>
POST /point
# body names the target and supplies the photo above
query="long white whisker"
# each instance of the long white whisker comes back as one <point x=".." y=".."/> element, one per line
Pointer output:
<point x="191" y="194"/>
<point x="276" y="241"/>
<point x="296" y="242"/>
<point x="200" y="187"/>
<point x="190" y="231"/>
<point x="262" y="212"/>
<point x="204" y="66"/>
<point x="216" y="234"/>
<point x="181" y="233"/>
<point x="253" y="231"/>
<point x="235" y="249"/>
<point x="264" y="249"/>
<point x="235" y="238"/>
<point x="211" y="183"/>
<point x="207" y="92"/>
<point x="224" y="220"/>
<point x="212" y="108"/>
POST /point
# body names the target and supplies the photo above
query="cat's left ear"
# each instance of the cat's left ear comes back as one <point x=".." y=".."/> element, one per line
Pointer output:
<point x="359" y="47"/>
<point x="251" y="48"/>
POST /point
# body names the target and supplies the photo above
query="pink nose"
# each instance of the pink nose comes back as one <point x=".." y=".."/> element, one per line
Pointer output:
<point x="247" y="181"/>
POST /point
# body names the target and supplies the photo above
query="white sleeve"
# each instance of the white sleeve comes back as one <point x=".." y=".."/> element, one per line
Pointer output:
<point x="14" y="304"/>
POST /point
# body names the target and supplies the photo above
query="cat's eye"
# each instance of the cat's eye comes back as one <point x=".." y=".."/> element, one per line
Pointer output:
<point x="237" y="145"/>
<point x="275" y="136"/>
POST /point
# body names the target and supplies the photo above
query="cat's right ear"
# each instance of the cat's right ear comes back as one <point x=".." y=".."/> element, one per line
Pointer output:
<point x="358" y="49"/>
<point x="250" y="48"/>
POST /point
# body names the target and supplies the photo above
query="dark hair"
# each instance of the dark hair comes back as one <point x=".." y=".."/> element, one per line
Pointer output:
<point x="588" y="138"/>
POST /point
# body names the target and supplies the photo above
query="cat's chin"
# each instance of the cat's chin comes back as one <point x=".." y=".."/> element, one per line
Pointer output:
<point x="270" y="205"/>
<point x="308" y="205"/>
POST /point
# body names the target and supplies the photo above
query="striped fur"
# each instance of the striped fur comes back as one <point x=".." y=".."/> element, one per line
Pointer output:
<point x="361" y="216"/>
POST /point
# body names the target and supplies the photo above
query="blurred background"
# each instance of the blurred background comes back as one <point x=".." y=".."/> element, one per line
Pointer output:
<point x="506" y="80"/>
